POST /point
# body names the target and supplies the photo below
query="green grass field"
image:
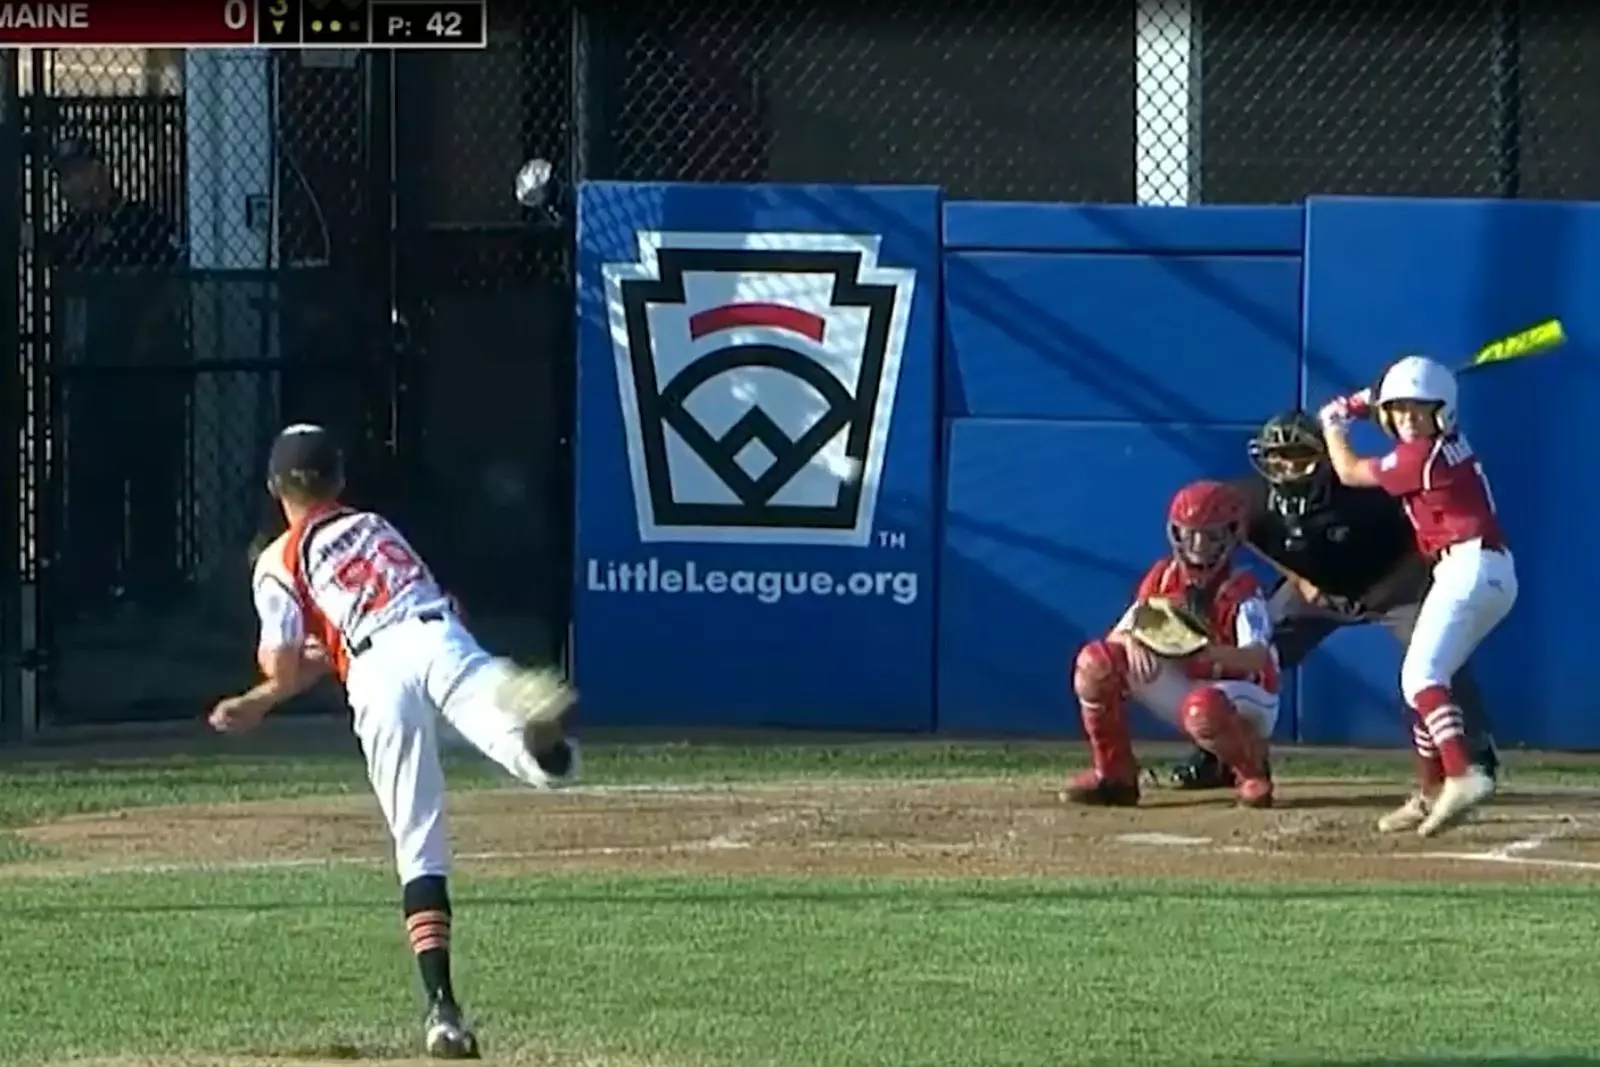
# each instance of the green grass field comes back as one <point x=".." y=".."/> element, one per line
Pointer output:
<point x="306" y="966"/>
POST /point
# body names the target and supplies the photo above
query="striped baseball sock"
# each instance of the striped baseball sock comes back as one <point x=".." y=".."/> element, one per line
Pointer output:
<point x="427" y="905"/>
<point x="1445" y="726"/>
<point x="1430" y="772"/>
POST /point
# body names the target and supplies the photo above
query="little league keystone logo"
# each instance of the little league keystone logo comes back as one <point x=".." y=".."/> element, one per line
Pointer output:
<point x="757" y="376"/>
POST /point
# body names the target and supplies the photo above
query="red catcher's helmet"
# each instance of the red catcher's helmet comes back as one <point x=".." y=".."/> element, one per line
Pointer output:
<point x="1205" y="523"/>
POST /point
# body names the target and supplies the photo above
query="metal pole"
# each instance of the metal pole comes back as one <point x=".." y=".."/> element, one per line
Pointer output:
<point x="230" y="134"/>
<point x="1506" y="61"/>
<point x="39" y="629"/>
<point x="1166" y="105"/>
<point x="12" y="409"/>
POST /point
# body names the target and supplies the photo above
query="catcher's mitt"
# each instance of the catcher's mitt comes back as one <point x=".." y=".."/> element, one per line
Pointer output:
<point x="1167" y="627"/>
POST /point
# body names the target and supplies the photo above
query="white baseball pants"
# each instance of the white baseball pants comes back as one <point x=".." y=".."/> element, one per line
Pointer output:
<point x="1164" y="693"/>
<point x="1473" y="590"/>
<point x="414" y="671"/>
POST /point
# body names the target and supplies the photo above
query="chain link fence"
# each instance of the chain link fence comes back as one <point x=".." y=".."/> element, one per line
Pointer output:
<point x="192" y="273"/>
<point x="484" y="292"/>
<point x="1486" y="98"/>
<point x="1015" y="99"/>
<point x="1145" y="101"/>
<point x="331" y="236"/>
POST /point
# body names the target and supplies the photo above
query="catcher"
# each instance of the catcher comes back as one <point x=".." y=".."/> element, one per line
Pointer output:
<point x="1195" y="648"/>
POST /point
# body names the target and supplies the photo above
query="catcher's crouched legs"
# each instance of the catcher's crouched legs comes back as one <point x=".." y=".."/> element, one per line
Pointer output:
<point x="1100" y="682"/>
<point x="1209" y="717"/>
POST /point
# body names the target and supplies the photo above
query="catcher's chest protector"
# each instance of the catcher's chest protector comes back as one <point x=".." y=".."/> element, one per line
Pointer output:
<point x="1219" y="609"/>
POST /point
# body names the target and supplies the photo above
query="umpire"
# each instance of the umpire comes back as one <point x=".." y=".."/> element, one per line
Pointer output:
<point x="1357" y="561"/>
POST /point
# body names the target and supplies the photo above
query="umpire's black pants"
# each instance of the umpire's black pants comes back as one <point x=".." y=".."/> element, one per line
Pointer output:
<point x="1298" y="628"/>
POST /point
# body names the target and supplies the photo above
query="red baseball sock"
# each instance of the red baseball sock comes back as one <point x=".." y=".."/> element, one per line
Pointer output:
<point x="1430" y="771"/>
<point x="1444" y="724"/>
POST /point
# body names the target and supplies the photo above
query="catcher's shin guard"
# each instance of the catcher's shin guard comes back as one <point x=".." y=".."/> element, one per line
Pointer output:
<point x="1100" y="681"/>
<point x="1209" y="717"/>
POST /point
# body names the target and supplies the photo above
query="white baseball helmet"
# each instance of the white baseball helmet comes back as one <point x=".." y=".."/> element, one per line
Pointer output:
<point x="1419" y="378"/>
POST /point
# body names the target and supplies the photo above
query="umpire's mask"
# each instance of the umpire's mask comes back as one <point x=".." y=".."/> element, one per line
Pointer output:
<point x="1290" y="454"/>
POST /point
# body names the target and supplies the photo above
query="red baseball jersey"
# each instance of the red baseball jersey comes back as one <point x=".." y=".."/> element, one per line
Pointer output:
<point x="1444" y="490"/>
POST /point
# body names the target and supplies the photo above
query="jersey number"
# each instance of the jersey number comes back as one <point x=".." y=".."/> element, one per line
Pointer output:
<point x="376" y="577"/>
<point x="1458" y="453"/>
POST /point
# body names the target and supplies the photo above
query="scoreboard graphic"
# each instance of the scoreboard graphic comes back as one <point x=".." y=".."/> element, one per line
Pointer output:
<point x="431" y="24"/>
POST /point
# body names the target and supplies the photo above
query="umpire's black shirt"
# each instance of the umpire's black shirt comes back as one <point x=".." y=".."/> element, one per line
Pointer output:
<point x="1345" y="542"/>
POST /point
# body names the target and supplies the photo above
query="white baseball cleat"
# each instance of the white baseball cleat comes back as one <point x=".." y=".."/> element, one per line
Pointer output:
<point x="540" y="700"/>
<point x="540" y="697"/>
<point x="1456" y="798"/>
<point x="1407" y="816"/>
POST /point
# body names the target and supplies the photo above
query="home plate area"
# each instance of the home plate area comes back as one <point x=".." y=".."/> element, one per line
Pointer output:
<point x="1321" y="831"/>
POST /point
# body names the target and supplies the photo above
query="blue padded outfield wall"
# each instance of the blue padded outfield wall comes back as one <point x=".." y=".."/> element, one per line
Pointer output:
<point x="863" y="458"/>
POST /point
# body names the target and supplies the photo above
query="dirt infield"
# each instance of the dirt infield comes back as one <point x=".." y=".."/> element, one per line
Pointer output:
<point x="1322" y="831"/>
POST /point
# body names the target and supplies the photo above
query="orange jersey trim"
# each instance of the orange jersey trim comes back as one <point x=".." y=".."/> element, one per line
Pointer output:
<point x="317" y="624"/>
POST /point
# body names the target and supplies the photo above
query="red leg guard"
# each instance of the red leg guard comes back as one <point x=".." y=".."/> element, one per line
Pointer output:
<point x="1100" y="680"/>
<point x="1208" y="716"/>
<point x="1443" y="722"/>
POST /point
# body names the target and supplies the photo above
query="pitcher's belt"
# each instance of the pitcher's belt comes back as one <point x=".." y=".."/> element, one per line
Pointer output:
<point x="366" y="642"/>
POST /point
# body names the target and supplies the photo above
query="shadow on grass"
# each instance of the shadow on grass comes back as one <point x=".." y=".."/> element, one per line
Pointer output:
<point x="934" y="894"/>
<point x="1454" y="1061"/>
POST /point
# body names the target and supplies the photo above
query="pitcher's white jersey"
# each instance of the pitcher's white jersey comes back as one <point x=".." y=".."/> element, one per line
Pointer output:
<point x="340" y="576"/>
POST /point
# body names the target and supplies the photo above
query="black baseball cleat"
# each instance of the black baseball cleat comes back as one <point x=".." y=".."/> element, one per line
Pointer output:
<point x="446" y="1036"/>
<point x="1091" y="788"/>
<point x="1488" y="760"/>
<point x="1202" y="770"/>
<point x="541" y="699"/>
<point x="557" y="759"/>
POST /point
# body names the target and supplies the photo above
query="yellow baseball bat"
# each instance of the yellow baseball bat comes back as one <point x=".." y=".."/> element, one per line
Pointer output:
<point x="1538" y="338"/>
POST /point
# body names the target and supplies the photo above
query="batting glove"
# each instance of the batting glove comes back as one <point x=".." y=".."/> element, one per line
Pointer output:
<point x="1335" y="413"/>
